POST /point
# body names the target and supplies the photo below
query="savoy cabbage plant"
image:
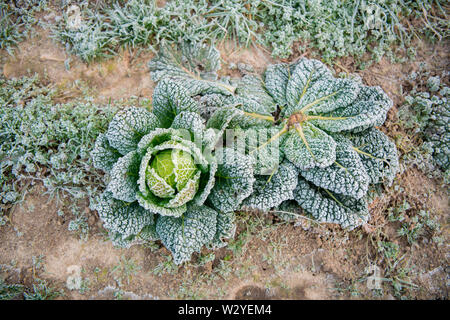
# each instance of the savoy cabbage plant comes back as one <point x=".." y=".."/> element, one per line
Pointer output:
<point x="167" y="181"/>
<point x="323" y="148"/>
<point x="326" y="135"/>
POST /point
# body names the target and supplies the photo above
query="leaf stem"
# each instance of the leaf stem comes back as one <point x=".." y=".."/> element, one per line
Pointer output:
<point x="259" y="116"/>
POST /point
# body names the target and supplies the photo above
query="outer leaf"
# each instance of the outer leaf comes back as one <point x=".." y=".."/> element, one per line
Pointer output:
<point x="157" y="206"/>
<point x="276" y="78"/>
<point x="234" y="181"/>
<point x="207" y="182"/>
<point x="263" y="146"/>
<point x="124" y="175"/>
<point x="128" y="127"/>
<point x="156" y="137"/>
<point x="270" y="191"/>
<point x="378" y="155"/>
<point x="320" y="150"/>
<point x="188" y="233"/>
<point x="369" y="109"/>
<point x="121" y="217"/>
<point x="191" y="122"/>
<point x="103" y="155"/>
<point x="305" y="76"/>
<point x="312" y="87"/>
<point x="225" y="229"/>
<point x="251" y="88"/>
<point x="346" y="176"/>
<point x="331" y="208"/>
<point x="169" y="99"/>
<point x="157" y="185"/>
<point x="194" y="65"/>
<point x="148" y="233"/>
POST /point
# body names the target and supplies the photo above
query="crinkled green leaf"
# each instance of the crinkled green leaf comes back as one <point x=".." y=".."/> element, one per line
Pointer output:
<point x="234" y="180"/>
<point x="169" y="99"/>
<point x="124" y="176"/>
<point x="122" y="217"/>
<point x="252" y="88"/>
<point x="191" y="122"/>
<point x="194" y="65"/>
<point x="270" y="191"/>
<point x="221" y="118"/>
<point x="318" y="151"/>
<point x="225" y="229"/>
<point x="128" y="127"/>
<point x="188" y="233"/>
<point x="378" y="155"/>
<point x="327" y="207"/>
<point x="305" y="78"/>
<point x="148" y="233"/>
<point x="103" y="155"/>
<point x="156" y="137"/>
<point x="276" y="78"/>
<point x="368" y="109"/>
<point x="263" y="145"/>
<point x="207" y="181"/>
<point x="346" y="176"/>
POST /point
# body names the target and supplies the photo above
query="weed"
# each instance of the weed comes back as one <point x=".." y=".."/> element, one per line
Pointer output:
<point x="16" y="21"/>
<point x="335" y="28"/>
<point x="10" y="291"/>
<point x="48" y="143"/>
<point x="126" y="269"/>
<point x="166" y="267"/>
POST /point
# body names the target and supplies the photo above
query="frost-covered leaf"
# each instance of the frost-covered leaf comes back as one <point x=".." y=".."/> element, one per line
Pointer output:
<point x="188" y="233"/>
<point x="252" y="89"/>
<point x="346" y="176"/>
<point x="128" y="127"/>
<point x="263" y="145"/>
<point x="276" y="78"/>
<point x="325" y="206"/>
<point x="307" y="76"/>
<point x="270" y="191"/>
<point x="156" y="205"/>
<point x="225" y="229"/>
<point x="103" y="155"/>
<point x="169" y="99"/>
<point x="124" y="175"/>
<point x="194" y="65"/>
<point x="156" y="137"/>
<point x="234" y="180"/>
<point x="368" y="109"/>
<point x="308" y="147"/>
<point x="148" y="233"/>
<point x="378" y="155"/>
<point x="122" y="217"/>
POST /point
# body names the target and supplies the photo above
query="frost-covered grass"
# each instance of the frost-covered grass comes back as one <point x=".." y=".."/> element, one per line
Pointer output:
<point x="16" y="20"/>
<point x="41" y="141"/>
<point x="334" y="28"/>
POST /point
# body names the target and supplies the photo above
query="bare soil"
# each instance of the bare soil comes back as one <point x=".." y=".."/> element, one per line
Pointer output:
<point x="269" y="259"/>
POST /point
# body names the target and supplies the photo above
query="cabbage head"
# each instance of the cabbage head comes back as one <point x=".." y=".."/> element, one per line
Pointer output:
<point x="167" y="179"/>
